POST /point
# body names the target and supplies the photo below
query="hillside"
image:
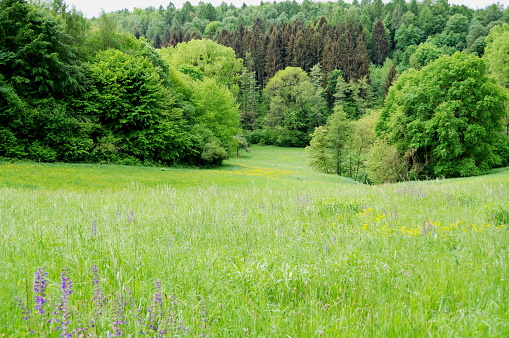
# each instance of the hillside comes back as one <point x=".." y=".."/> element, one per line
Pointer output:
<point x="276" y="251"/>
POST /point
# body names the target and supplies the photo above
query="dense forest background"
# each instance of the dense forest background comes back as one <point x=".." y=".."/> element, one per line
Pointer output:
<point x="192" y="85"/>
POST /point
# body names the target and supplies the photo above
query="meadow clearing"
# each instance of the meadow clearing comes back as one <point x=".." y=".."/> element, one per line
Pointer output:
<point x="261" y="247"/>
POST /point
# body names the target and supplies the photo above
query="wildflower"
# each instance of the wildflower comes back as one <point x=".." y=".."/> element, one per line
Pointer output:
<point x="62" y="312"/>
<point x="131" y="216"/>
<point x="119" y="316"/>
<point x="94" y="228"/>
<point x="24" y="309"/>
<point x="156" y="311"/>
<point x="40" y="284"/>
<point x="99" y="299"/>
<point x="66" y="284"/>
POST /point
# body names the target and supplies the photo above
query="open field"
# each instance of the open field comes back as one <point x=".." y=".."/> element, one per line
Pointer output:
<point x="261" y="247"/>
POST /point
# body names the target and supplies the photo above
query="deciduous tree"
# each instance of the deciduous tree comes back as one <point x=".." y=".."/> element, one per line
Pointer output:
<point x="447" y="115"/>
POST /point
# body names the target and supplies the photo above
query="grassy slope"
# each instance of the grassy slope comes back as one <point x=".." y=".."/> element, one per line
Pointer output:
<point x="262" y="165"/>
<point x="270" y="248"/>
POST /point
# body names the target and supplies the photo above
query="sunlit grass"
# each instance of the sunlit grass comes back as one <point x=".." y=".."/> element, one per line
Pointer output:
<point x="261" y="246"/>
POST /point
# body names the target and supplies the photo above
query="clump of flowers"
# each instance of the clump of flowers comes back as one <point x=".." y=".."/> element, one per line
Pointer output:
<point x="115" y="318"/>
<point x="40" y="285"/>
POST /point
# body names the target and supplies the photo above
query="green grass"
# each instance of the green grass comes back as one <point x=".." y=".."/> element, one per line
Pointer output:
<point x="262" y="246"/>
<point x="262" y="166"/>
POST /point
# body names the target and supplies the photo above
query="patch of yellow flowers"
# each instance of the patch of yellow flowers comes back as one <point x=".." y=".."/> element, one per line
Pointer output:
<point x="387" y="224"/>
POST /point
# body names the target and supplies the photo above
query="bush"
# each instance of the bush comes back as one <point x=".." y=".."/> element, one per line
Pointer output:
<point x="213" y="153"/>
<point x="384" y="164"/>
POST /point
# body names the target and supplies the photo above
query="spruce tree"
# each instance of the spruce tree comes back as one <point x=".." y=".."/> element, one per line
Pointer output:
<point x="380" y="44"/>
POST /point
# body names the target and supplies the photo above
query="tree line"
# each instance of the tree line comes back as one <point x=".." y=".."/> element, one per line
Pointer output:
<point x="76" y="91"/>
<point x="192" y="85"/>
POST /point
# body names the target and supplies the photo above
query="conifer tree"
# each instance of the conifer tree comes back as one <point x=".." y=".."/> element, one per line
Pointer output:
<point x="347" y="55"/>
<point x="273" y="57"/>
<point x="361" y="57"/>
<point x="380" y="44"/>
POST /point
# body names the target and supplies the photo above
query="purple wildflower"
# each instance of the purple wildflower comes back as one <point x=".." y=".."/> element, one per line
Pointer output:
<point x="25" y="310"/>
<point x="156" y="310"/>
<point x="119" y="314"/>
<point x="94" y="228"/>
<point x="66" y="284"/>
<point x="119" y="217"/>
<point x="131" y="216"/>
<point x="63" y="312"/>
<point x="99" y="298"/>
<point x="40" y="284"/>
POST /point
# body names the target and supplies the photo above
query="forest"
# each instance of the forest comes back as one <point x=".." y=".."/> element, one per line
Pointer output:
<point x="379" y="92"/>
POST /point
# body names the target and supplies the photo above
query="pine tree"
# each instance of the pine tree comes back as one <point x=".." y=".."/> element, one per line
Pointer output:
<point x="380" y="44"/>
<point x="361" y="56"/>
<point x="157" y="42"/>
<point x="347" y="54"/>
<point x="257" y="49"/>
<point x="175" y="35"/>
<point x="166" y="38"/>
<point x="248" y="98"/>
<point x="273" y="57"/>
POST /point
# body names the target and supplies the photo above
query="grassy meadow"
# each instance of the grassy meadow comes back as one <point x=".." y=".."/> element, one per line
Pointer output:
<point x="261" y="247"/>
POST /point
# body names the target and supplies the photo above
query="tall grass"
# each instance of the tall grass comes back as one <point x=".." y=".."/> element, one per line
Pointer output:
<point x="262" y="247"/>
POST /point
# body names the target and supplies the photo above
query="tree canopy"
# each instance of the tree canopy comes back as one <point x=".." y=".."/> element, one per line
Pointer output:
<point x="445" y="118"/>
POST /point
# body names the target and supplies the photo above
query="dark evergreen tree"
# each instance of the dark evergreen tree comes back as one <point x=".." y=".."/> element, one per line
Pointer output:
<point x="304" y="51"/>
<point x="274" y="55"/>
<point x="166" y="38"/>
<point x="238" y="39"/>
<point x="257" y="49"/>
<point x="137" y="33"/>
<point x="347" y="54"/>
<point x="361" y="57"/>
<point x="158" y="43"/>
<point x="380" y="44"/>
<point x="175" y="35"/>
<point x="330" y="58"/>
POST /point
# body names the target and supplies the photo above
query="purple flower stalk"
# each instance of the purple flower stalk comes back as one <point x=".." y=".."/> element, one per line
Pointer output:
<point x="66" y="284"/>
<point x="62" y="312"/>
<point x="120" y="306"/>
<point x="99" y="298"/>
<point x="24" y="309"/>
<point x="94" y="228"/>
<point x="40" y="284"/>
<point x="131" y="216"/>
<point x="156" y="311"/>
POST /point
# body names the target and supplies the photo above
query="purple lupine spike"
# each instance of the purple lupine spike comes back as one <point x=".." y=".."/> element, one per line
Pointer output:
<point x="25" y="310"/>
<point x="131" y="216"/>
<point x="66" y="284"/>
<point x="40" y="284"/>
<point x="99" y="299"/>
<point x="63" y="312"/>
<point x="94" y="228"/>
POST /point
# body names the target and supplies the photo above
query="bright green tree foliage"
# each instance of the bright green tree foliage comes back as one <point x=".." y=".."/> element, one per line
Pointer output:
<point x="497" y="58"/>
<point x="217" y="111"/>
<point x="424" y="54"/>
<point x="445" y="118"/>
<point x="497" y="53"/>
<point x="318" y="151"/>
<point x="210" y="58"/>
<point x="131" y="104"/>
<point x="326" y="149"/>
<point x="295" y="106"/>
